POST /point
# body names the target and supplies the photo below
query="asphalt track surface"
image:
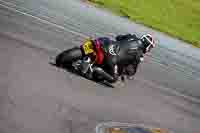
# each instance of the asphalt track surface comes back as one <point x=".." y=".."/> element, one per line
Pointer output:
<point x="36" y="97"/>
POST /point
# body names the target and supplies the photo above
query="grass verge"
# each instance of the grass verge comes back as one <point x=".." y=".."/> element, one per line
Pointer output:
<point x="178" y="18"/>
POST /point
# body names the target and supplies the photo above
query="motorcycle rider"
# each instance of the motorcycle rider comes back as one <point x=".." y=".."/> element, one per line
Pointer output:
<point x="107" y="53"/>
<point x="134" y="54"/>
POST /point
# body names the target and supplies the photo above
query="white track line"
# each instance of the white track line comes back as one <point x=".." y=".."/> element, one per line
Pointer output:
<point x="193" y="99"/>
<point x="39" y="19"/>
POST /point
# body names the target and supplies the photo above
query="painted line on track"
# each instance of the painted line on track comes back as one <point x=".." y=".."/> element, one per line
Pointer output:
<point x="39" y="19"/>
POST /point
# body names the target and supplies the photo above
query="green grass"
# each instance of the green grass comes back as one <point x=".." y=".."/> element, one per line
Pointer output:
<point x="179" y="18"/>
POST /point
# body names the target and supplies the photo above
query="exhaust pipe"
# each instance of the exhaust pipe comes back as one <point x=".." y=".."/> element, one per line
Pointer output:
<point x="105" y="75"/>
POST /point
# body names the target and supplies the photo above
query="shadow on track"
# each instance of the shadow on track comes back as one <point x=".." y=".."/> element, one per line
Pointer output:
<point x="71" y="70"/>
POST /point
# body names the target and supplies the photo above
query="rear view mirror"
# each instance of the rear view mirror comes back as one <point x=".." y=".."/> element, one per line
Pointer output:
<point x="115" y="127"/>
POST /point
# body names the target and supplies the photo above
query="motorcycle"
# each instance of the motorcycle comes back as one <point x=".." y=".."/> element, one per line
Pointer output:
<point x="81" y="59"/>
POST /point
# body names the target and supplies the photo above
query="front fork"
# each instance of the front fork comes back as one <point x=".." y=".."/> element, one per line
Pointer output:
<point x="84" y="66"/>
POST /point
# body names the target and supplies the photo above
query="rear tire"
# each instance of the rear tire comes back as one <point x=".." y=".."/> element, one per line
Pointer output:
<point x="67" y="57"/>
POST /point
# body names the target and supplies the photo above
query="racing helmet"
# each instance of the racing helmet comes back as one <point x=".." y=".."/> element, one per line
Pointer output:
<point x="148" y="42"/>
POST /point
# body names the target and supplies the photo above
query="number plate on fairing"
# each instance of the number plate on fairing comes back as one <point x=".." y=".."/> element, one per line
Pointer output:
<point x="88" y="47"/>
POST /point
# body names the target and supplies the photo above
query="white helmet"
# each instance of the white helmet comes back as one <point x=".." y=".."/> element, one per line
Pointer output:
<point x="148" y="42"/>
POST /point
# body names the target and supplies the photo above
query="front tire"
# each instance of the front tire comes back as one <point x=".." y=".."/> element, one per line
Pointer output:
<point x="67" y="57"/>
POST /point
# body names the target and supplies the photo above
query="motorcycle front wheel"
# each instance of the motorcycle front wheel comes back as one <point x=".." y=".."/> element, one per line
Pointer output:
<point x="67" y="57"/>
